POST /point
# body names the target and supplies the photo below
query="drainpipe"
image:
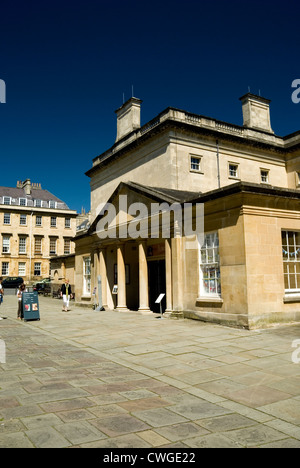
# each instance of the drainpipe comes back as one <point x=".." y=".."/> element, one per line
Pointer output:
<point x="218" y="164"/>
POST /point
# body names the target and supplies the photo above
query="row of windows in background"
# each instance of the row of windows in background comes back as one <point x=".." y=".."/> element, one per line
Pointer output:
<point x="233" y="169"/>
<point x="38" y="220"/>
<point x="24" y="202"/>
<point x="21" y="269"/>
<point x="23" y="243"/>
<point x="210" y="278"/>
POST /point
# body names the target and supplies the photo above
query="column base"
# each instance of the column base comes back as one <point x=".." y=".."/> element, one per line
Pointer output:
<point x="168" y="313"/>
<point x="122" y="309"/>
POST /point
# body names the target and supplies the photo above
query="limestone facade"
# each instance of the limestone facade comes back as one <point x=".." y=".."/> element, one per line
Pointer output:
<point x="35" y="226"/>
<point x="245" y="268"/>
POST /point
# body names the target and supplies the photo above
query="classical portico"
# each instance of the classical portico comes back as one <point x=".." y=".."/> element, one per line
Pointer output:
<point x="137" y="284"/>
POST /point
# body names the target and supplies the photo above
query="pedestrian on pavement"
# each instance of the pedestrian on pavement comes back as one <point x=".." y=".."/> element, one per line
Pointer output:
<point x="66" y="294"/>
<point x="1" y="293"/>
<point x="20" y="292"/>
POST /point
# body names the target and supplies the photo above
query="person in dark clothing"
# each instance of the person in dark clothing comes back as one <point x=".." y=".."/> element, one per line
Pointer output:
<point x="21" y="290"/>
<point x="66" y="294"/>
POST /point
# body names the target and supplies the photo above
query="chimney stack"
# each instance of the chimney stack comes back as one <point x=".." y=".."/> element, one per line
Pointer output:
<point x="256" y="112"/>
<point x="128" y="117"/>
<point x="27" y="186"/>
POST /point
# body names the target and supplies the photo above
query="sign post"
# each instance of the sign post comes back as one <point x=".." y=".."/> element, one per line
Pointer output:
<point x="158" y="301"/>
<point x="30" y="306"/>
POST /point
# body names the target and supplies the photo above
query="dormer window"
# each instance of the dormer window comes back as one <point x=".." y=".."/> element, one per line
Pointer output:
<point x="38" y="203"/>
<point x="6" y="200"/>
<point x="23" y="201"/>
<point x="52" y="204"/>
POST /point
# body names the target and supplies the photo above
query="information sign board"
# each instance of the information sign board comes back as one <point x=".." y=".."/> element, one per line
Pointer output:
<point x="30" y="306"/>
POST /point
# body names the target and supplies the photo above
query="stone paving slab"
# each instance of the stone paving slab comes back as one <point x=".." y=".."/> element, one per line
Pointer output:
<point x="114" y="380"/>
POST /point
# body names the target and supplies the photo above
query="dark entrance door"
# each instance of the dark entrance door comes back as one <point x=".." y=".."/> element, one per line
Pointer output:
<point x="157" y="284"/>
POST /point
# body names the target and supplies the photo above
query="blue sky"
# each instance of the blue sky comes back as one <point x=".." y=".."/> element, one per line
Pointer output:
<point x="67" y="64"/>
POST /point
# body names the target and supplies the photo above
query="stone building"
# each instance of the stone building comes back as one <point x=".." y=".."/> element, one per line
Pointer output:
<point x="35" y="226"/>
<point x="244" y="269"/>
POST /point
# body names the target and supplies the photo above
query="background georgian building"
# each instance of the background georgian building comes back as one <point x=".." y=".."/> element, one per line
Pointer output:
<point x="245" y="271"/>
<point x="35" y="226"/>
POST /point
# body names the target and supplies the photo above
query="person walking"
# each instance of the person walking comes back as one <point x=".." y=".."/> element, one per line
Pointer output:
<point x="66" y="294"/>
<point x="1" y="293"/>
<point x="20" y="292"/>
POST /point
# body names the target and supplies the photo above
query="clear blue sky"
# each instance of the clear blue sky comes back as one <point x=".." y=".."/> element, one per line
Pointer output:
<point x="66" y="65"/>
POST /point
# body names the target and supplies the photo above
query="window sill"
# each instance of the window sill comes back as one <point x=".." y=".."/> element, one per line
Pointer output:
<point x="212" y="299"/>
<point x="194" y="171"/>
<point x="288" y="298"/>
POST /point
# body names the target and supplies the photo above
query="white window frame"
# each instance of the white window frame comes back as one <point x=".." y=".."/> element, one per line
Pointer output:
<point x="37" y="268"/>
<point x="6" y="215"/>
<point x="36" y="220"/>
<point x="267" y="172"/>
<point x="209" y="266"/>
<point x="5" y="271"/>
<point x="24" y="218"/>
<point x="22" y="269"/>
<point x="291" y="261"/>
<point x="87" y="276"/>
<point x="52" y="204"/>
<point x="194" y="163"/>
<point x="52" y="243"/>
<point x="38" y="203"/>
<point x="236" y="175"/>
<point x="23" y="200"/>
<point x="6" y="200"/>
<point x="5" y="244"/>
<point x="67" y="246"/>
<point x="22" y="245"/>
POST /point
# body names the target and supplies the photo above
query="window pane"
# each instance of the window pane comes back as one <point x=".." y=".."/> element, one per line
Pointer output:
<point x="291" y="260"/>
<point x="210" y="265"/>
<point x="22" y="269"/>
<point x="37" y="269"/>
<point x="6" y="218"/>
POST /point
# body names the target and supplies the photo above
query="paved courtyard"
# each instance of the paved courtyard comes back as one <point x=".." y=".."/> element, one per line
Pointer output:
<point x="109" y="379"/>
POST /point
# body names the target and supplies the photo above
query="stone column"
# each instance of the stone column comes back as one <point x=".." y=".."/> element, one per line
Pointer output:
<point x="121" y="305"/>
<point x="178" y="279"/>
<point x="103" y="274"/>
<point x="169" y="298"/>
<point x="143" y="279"/>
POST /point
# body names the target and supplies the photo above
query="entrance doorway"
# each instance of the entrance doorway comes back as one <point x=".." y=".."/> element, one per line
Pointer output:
<point x="157" y="284"/>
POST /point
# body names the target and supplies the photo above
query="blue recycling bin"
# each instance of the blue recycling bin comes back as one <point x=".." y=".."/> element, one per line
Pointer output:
<point x="30" y="306"/>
